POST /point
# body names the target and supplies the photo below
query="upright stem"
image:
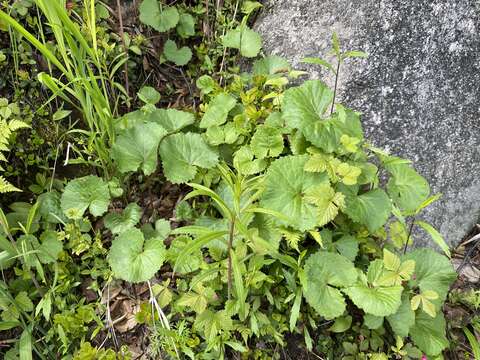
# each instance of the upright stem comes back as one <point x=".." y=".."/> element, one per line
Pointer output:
<point x="122" y="34"/>
<point x="230" y="245"/>
<point x="335" y="88"/>
<point x="408" y="237"/>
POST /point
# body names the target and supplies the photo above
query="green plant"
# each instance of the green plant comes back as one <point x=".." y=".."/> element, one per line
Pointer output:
<point x="9" y="123"/>
<point x="320" y="191"/>
<point x="85" y="80"/>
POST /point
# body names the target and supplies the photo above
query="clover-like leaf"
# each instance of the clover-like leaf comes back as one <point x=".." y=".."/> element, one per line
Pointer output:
<point x="324" y="272"/>
<point x="160" y="18"/>
<point x="135" y="259"/>
<point x="286" y="184"/>
<point x="89" y="192"/>
<point x="395" y="271"/>
<point x="371" y="209"/>
<point x="428" y="333"/>
<point x="433" y="271"/>
<point x="407" y="188"/>
<point x="348" y="173"/>
<point x="137" y="147"/>
<point x="245" y="39"/>
<point x="218" y="110"/>
<point x="182" y="153"/>
<point x="213" y="323"/>
<point x="424" y="299"/>
<point x="179" y="56"/>
<point x="267" y="142"/>
<point x="118" y="223"/>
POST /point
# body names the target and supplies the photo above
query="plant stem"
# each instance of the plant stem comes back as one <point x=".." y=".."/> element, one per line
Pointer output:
<point x="230" y="245"/>
<point x="336" y="84"/>
<point x="122" y="34"/>
<point x="408" y="237"/>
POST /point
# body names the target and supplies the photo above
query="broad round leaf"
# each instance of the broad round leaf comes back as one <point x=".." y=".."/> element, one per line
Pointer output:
<point x="137" y="148"/>
<point x="306" y="104"/>
<point x="245" y="39"/>
<point x="429" y="333"/>
<point x="182" y="153"/>
<point x="267" y="142"/>
<point x="372" y="209"/>
<point x="179" y="56"/>
<point x="49" y="248"/>
<point x="86" y="192"/>
<point x="379" y="301"/>
<point x="161" y="19"/>
<point x="286" y="184"/>
<point x="433" y="271"/>
<point x="135" y="259"/>
<point x="172" y="120"/>
<point x="403" y="319"/>
<point x="218" y="110"/>
<point x="271" y="65"/>
<point x="323" y="272"/>
<point x="406" y="187"/>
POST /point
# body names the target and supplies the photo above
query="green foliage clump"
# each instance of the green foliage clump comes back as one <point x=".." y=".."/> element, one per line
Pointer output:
<point x="9" y="123"/>
<point x="288" y="222"/>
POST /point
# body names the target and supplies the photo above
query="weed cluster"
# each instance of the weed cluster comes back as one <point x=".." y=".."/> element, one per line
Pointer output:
<point x="280" y="227"/>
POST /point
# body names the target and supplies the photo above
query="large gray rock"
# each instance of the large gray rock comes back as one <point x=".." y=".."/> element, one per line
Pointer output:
<point x="419" y="90"/>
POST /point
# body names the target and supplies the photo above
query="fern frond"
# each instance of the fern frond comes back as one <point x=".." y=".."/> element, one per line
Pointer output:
<point x="17" y="124"/>
<point x="6" y="187"/>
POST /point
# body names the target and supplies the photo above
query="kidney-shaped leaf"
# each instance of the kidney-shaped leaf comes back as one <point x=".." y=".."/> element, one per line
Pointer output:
<point x="378" y="301"/>
<point x="433" y="271"/>
<point x="135" y="259"/>
<point x="245" y="39"/>
<point x="323" y="273"/>
<point x="172" y="120"/>
<point x="306" y="104"/>
<point x="182" y="153"/>
<point x="179" y="56"/>
<point x="89" y="192"/>
<point x="137" y="147"/>
<point x="218" y="110"/>
<point x="160" y="18"/>
<point x="407" y="188"/>
<point x="371" y="209"/>
<point x="286" y="184"/>
<point x="429" y="333"/>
